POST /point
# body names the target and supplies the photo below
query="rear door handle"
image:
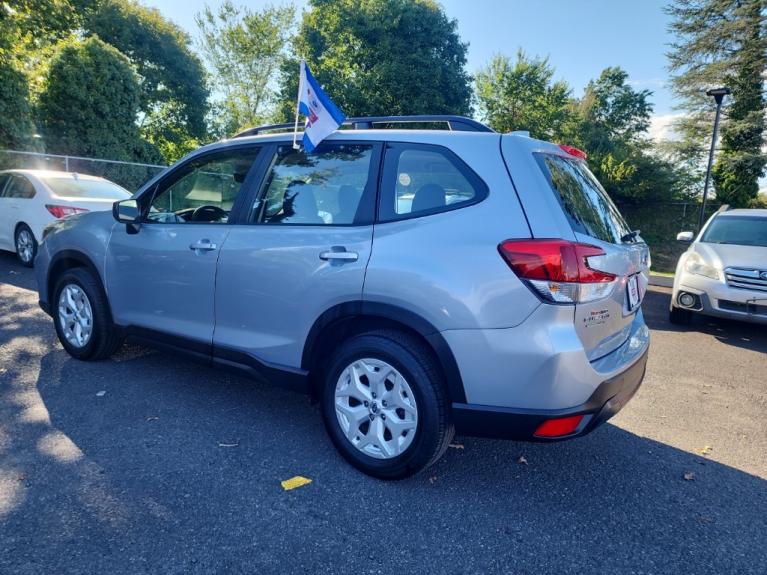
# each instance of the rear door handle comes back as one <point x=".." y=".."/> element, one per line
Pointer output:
<point x="339" y="255"/>
<point x="203" y="246"/>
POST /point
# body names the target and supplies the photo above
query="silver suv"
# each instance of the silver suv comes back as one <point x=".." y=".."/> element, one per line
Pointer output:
<point x="415" y="282"/>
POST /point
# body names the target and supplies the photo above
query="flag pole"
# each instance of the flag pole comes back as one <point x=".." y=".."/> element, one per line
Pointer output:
<point x="298" y="105"/>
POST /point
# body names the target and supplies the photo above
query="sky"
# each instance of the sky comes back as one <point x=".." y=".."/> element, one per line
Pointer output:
<point x="580" y="37"/>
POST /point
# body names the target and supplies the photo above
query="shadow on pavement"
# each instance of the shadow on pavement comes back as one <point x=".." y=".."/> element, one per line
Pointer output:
<point x="13" y="273"/>
<point x="177" y="468"/>
<point x="731" y="332"/>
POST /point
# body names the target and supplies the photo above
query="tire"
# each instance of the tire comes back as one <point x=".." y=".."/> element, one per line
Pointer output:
<point x="679" y="316"/>
<point x="103" y="339"/>
<point x="421" y="392"/>
<point x="26" y="245"/>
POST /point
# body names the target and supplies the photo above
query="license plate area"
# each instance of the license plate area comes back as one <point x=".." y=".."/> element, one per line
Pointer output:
<point x="632" y="292"/>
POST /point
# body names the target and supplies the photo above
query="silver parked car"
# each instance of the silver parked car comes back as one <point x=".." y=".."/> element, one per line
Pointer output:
<point x="724" y="271"/>
<point x="414" y="282"/>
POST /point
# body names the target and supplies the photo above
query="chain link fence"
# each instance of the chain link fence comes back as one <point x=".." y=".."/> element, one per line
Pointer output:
<point x="660" y="222"/>
<point x="130" y="175"/>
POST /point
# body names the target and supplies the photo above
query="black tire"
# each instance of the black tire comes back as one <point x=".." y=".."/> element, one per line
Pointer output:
<point x="414" y="361"/>
<point x="24" y="228"/>
<point x="105" y="339"/>
<point x="679" y="316"/>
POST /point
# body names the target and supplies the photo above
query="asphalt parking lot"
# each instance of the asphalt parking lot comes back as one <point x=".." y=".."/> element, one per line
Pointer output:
<point x="176" y="468"/>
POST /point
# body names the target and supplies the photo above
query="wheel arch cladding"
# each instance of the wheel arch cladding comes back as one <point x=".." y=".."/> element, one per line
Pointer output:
<point x="67" y="260"/>
<point x="355" y="317"/>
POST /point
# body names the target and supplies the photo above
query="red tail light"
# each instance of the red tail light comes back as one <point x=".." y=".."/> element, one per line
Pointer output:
<point x="558" y="270"/>
<point x="63" y="211"/>
<point x="575" y="152"/>
<point x="559" y="427"/>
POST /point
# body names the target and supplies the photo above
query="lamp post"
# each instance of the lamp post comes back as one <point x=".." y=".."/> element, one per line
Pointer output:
<point x="718" y="95"/>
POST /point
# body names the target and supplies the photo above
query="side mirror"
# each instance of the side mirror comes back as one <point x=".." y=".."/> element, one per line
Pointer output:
<point x="127" y="212"/>
<point x="685" y="236"/>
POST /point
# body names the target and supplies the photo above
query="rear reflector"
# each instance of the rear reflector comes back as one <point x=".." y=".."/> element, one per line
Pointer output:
<point x="558" y="270"/>
<point x="63" y="211"/>
<point x="559" y="427"/>
<point x="575" y="152"/>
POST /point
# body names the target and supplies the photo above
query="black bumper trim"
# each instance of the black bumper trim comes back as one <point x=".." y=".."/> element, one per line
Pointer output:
<point x="521" y="424"/>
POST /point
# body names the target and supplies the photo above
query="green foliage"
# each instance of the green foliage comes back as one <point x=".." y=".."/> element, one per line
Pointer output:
<point x="90" y="102"/>
<point x="722" y="42"/>
<point x="244" y="50"/>
<point x="16" y="126"/>
<point x="523" y="96"/>
<point x="380" y="57"/>
<point x="173" y="96"/>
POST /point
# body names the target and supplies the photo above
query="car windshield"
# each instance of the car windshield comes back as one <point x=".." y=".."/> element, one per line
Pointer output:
<point x="70" y="187"/>
<point x="737" y="230"/>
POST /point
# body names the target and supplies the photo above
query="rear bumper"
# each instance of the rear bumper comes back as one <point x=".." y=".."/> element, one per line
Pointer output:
<point x="520" y="424"/>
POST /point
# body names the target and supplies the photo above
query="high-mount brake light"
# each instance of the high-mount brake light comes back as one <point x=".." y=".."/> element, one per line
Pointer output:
<point x="559" y="271"/>
<point x="575" y="152"/>
<point x="63" y="211"/>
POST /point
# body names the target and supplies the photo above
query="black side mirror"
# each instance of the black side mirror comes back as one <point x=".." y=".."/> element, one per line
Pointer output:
<point x="127" y="212"/>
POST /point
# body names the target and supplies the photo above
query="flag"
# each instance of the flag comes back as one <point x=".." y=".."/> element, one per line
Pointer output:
<point x="322" y="116"/>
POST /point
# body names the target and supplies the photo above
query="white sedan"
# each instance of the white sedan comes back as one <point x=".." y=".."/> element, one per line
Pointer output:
<point x="31" y="199"/>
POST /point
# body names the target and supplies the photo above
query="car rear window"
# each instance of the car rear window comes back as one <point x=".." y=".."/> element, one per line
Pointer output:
<point x="81" y="188"/>
<point x="737" y="230"/>
<point x="585" y="203"/>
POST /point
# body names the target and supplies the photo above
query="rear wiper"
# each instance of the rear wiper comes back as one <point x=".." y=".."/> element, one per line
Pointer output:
<point x="631" y="236"/>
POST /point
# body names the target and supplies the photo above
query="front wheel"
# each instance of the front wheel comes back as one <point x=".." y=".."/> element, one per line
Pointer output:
<point x="82" y="318"/>
<point x="26" y="245"/>
<point x="384" y="405"/>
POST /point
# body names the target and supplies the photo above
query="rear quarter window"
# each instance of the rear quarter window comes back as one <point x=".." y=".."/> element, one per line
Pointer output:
<point x="584" y="201"/>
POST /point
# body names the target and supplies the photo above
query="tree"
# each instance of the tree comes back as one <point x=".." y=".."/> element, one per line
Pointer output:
<point x="244" y="50"/>
<point x="722" y="42"/>
<point x="90" y="102"/>
<point x="381" y="57"/>
<point x="16" y="126"/>
<point x="523" y="96"/>
<point x="173" y="94"/>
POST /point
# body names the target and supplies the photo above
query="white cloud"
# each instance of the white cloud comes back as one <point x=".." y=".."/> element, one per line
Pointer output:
<point x="648" y="83"/>
<point x="662" y="126"/>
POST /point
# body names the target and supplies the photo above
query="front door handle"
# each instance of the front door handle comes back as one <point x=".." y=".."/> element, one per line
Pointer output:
<point x="203" y="246"/>
<point x="339" y="255"/>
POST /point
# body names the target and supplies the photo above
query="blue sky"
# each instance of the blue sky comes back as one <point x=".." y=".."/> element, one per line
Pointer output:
<point x="581" y="37"/>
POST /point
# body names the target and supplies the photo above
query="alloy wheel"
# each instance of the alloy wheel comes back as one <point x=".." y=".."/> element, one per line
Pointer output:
<point x="75" y="315"/>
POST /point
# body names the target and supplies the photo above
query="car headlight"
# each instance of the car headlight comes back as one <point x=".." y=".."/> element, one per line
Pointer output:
<point x="696" y="265"/>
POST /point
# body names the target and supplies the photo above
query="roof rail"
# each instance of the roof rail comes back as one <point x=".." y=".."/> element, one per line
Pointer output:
<point x="723" y="208"/>
<point x="454" y="123"/>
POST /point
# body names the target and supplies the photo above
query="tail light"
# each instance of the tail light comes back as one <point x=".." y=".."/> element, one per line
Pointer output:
<point x="558" y="270"/>
<point x="63" y="211"/>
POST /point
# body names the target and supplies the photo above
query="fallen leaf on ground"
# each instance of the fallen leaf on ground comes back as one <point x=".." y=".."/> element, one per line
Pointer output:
<point x="229" y="444"/>
<point x="295" y="482"/>
<point x="705" y="520"/>
<point x="456" y="445"/>
<point x="522" y="460"/>
<point x="101" y="393"/>
<point x="706" y="450"/>
<point x="689" y="476"/>
<point x="21" y="478"/>
<point x="151" y="418"/>
<point x="432" y="479"/>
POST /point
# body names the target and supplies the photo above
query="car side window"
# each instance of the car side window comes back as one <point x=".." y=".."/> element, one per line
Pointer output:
<point x="334" y="185"/>
<point x="19" y="187"/>
<point x="3" y="180"/>
<point x="202" y="190"/>
<point x="422" y="179"/>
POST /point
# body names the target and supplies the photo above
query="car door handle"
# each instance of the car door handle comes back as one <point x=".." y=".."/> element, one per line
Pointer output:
<point x="203" y="246"/>
<point x="339" y="256"/>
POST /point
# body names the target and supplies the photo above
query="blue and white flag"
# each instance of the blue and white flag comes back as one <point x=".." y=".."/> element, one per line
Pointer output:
<point x="322" y="116"/>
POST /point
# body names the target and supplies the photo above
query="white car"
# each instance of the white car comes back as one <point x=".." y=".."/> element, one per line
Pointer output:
<point x="31" y="199"/>
<point x="724" y="272"/>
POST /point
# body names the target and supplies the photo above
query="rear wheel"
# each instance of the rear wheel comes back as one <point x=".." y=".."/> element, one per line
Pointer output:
<point x="82" y="318"/>
<point x="679" y="316"/>
<point x="384" y="405"/>
<point x="26" y="245"/>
